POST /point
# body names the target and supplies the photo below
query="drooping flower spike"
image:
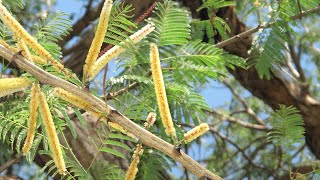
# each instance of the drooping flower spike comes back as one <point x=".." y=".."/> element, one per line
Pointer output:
<point x="12" y="85"/>
<point x="161" y="91"/>
<point x="52" y="135"/>
<point x="32" y="124"/>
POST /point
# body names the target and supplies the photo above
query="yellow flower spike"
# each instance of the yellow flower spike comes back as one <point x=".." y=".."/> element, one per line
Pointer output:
<point x="75" y="100"/>
<point x="36" y="59"/>
<point x="99" y="37"/>
<point x="150" y="120"/>
<point x="116" y="50"/>
<point x="5" y="44"/>
<point x="196" y="132"/>
<point x="52" y="136"/>
<point x="25" y="50"/>
<point x="119" y="128"/>
<point x="34" y="104"/>
<point x="16" y="28"/>
<point x="133" y="168"/>
<point x="12" y="85"/>
<point x="161" y="91"/>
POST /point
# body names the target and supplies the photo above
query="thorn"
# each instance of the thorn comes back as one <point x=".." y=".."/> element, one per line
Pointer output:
<point x="15" y="55"/>
<point x="97" y="123"/>
<point x="177" y="149"/>
<point x="205" y="178"/>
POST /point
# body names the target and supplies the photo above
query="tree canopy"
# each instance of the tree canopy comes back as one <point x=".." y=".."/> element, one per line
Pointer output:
<point x="118" y="92"/>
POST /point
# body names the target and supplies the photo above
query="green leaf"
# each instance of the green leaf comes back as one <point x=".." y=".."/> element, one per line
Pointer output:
<point x="120" y="136"/>
<point x="287" y="126"/>
<point x="112" y="151"/>
<point x="80" y="117"/>
<point x="116" y="143"/>
<point x="216" y="4"/>
<point x="172" y="25"/>
<point x="67" y="119"/>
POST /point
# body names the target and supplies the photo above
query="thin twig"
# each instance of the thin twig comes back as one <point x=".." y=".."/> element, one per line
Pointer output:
<point x="17" y="158"/>
<point x="145" y="136"/>
<point x="248" y="109"/>
<point x="238" y="121"/>
<point x="260" y="26"/>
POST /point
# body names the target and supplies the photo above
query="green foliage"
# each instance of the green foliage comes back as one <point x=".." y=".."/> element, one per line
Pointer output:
<point x="287" y="126"/>
<point x="172" y="25"/>
<point x="270" y="48"/>
<point x="102" y="170"/>
<point x="14" y="115"/>
<point x="216" y="4"/>
<point x="52" y="29"/>
<point x="152" y="164"/>
<point x="119" y="24"/>
<point x="206" y="56"/>
<point x="14" y="3"/>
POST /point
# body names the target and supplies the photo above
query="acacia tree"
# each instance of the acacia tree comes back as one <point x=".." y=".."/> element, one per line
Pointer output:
<point x="247" y="138"/>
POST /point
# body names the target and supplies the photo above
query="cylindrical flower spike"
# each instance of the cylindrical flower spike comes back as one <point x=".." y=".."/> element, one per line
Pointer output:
<point x="36" y="59"/>
<point x="75" y="100"/>
<point x="34" y="104"/>
<point x="16" y="28"/>
<point x="196" y="132"/>
<point x="25" y="50"/>
<point x="116" y="50"/>
<point x="150" y="120"/>
<point x="161" y="91"/>
<point x="52" y="136"/>
<point x="133" y="168"/>
<point x="98" y="38"/>
<point x="12" y="85"/>
<point x="121" y="129"/>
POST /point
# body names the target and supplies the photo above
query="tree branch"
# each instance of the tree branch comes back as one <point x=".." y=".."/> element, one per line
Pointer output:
<point x="238" y="121"/>
<point x="145" y="136"/>
<point x="17" y="158"/>
<point x="256" y="29"/>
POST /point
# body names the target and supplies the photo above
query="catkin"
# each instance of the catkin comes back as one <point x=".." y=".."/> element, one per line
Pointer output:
<point x="25" y="50"/>
<point x="52" y="136"/>
<point x="116" y="50"/>
<point x="161" y="91"/>
<point x="34" y="104"/>
<point x="150" y="120"/>
<point x="99" y="37"/>
<point x="133" y="168"/>
<point x="75" y="100"/>
<point x="16" y="28"/>
<point x="36" y="59"/>
<point x="12" y="85"/>
<point x="196" y="132"/>
<point x="121" y="129"/>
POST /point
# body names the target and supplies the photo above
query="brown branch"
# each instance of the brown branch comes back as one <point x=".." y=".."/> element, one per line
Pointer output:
<point x="296" y="61"/>
<point x="256" y="29"/>
<point x="248" y="109"/>
<point x="238" y="121"/>
<point x="145" y="136"/>
<point x="17" y="158"/>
